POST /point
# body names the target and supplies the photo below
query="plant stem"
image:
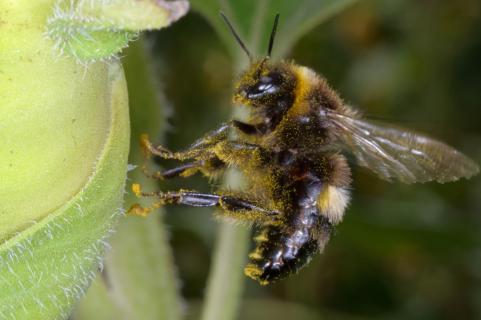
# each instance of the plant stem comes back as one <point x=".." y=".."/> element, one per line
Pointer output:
<point x="225" y="284"/>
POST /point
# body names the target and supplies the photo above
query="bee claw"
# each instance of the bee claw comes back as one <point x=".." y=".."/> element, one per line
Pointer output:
<point x="149" y="149"/>
<point x="137" y="210"/>
<point x="145" y="144"/>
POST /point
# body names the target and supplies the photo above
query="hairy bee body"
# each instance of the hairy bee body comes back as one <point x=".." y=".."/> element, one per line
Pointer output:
<point x="307" y="184"/>
<point x="290" y="153"/>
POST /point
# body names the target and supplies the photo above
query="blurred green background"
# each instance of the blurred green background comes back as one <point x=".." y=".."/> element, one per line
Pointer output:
<point x="402" y="252"/>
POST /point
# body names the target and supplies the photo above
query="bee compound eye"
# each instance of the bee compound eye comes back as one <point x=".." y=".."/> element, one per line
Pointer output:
<point x="261" y="87"/>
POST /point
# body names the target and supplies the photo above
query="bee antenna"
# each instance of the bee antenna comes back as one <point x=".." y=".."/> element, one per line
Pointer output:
<point x="273" y="35"/>
<point x="236" y="36"/>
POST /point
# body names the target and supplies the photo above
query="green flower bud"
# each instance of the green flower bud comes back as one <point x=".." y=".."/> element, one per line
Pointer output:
<point x="64" y="140"/>
<point x="91" y="30"/>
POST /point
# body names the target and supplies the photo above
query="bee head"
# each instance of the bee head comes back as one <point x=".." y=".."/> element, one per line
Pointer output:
<point x="265" y="83"/>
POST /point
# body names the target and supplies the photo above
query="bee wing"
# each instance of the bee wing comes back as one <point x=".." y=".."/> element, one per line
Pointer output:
<point x="402" y="155"/>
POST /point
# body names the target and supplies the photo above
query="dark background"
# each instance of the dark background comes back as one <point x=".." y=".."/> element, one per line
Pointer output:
<point x="403" y="251"/>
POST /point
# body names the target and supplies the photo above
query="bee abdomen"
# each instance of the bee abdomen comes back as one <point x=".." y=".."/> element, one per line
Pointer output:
<point x="279" y="253"/>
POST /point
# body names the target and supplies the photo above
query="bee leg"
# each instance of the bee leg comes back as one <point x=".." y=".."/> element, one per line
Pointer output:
<point x="185" y="170"/>
<point x="200" y="149"/>
<point x="209" y="168"/>
<point x="182" y="170"/>
<point x="234" y="207"/>
<point x="240" y="153"/>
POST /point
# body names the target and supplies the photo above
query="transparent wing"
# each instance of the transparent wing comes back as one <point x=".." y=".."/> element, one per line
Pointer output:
<point x="402" y="155"/>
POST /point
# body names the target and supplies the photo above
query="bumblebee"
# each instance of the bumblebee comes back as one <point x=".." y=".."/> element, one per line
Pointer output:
<point x="291" y="154"/>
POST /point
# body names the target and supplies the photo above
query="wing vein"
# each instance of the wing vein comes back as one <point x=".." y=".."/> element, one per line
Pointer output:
<point x="397" y="153"/>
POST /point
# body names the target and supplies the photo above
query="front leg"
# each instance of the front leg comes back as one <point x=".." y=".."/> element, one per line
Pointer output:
<point x="210" y="153"/>
<point x="241" y="154"/>
<point x="199" y="150"/>
<point x="202" y="148"/>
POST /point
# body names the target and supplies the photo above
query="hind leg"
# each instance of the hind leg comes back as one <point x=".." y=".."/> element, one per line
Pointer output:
<point x="233" y="206"/>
